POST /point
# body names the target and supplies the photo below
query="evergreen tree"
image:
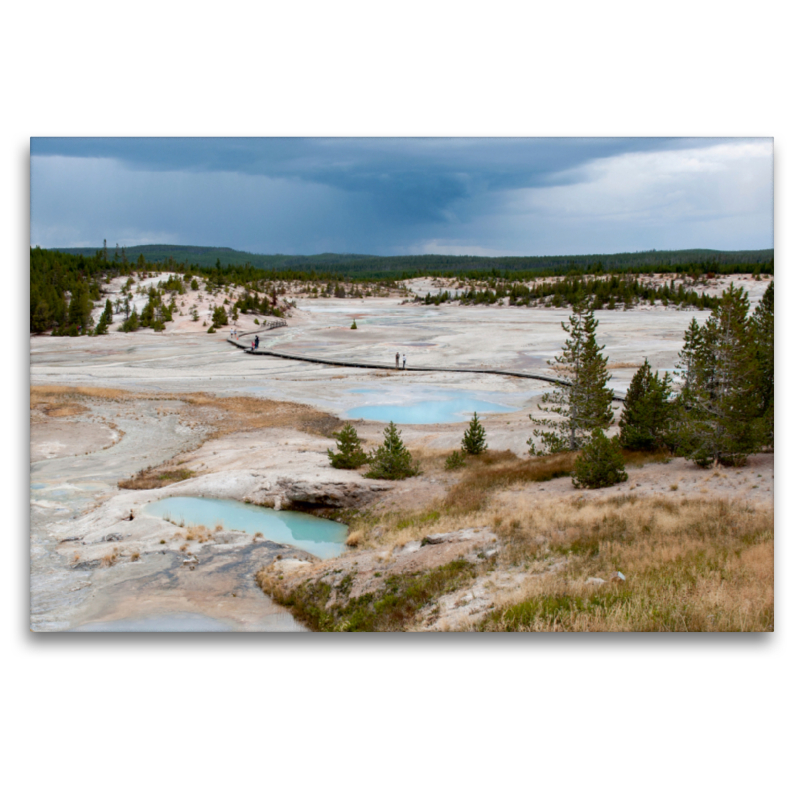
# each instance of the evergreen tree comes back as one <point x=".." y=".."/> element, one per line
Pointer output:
<point x="147" y="317"/>
<point x="646" y="418"/>
<point x="105" y="320"/>
<point x="719" y="399"/>
<point x="219" y="317"/>
<point x="130" y="324"/>
<point x="79" y="315"/>
<point x="40" y="317"/>
<point x="349" y="455"/>
<point x="474" y="441"/>
<point x="391" y="460"/>
<point x="600" y="463"/>
<point x="763" y="330"/>
<point x="585" y="403"/>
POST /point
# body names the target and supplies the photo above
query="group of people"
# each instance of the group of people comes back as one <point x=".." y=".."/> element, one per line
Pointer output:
<point x="254" y="346"/>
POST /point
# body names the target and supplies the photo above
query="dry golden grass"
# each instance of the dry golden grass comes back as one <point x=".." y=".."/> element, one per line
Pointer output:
<point x="431" y="459"/>
<point x="691" y="564"/>
<point x="465" y="503"/>
<point x="64" y="409"/>
<point x="354" y="538"/>
<point x="234" y="414"/>
<point x="498" y="470"/>
<point x="60" y="394"/>
<point x="696" y="564"/>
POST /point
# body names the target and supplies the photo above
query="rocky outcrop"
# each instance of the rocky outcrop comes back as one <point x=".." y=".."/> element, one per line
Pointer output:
<point x="300" y="493"/>
<point x="283" y="492"/>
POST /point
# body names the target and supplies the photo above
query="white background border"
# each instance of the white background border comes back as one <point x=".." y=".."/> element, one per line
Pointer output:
<point x="391" y="716"/>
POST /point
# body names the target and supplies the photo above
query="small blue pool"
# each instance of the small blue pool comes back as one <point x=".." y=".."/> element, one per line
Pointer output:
<point x="321" y="537"/>
<point x="444" y="406"/>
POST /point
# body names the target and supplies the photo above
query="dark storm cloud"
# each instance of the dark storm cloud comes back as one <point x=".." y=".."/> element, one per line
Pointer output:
<point x="384" y="195"/>
<point x="416" y="179"/>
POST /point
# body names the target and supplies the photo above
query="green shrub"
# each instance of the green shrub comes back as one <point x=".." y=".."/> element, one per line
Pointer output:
<point x="349" y="455"/>
<point x="392" y="461"/>
<point x="354" y="327"/>
<point x="455" y="460"/>
<point x="474" y="441"/>
<point x="600" y="463"/>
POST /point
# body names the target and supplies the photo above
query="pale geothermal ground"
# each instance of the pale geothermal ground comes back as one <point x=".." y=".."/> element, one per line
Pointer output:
<point x="80" y="449"/>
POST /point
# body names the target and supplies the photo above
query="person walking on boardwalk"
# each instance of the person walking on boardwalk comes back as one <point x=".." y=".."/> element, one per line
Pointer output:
<point x="397" y="360"/>
<point x="404" y="360"/>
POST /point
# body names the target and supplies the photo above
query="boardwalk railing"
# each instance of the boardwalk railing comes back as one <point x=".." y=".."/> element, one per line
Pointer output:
<point x="329" y="362"/>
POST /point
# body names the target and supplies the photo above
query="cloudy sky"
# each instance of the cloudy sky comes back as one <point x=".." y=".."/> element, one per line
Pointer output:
<point x="404" y="196"/>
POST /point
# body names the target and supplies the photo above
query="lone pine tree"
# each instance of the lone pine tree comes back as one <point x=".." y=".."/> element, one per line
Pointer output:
<point x="474" y="441"/>
<point x="391" y="460"/>
<point x="646" y="418"/>
<point x="349" y="453"/>
<point x="585" y="403"/>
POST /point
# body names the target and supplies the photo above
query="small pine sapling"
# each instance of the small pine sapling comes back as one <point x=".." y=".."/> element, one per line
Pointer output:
<point x="474" y="441"/>
<point x="349" y="455"/>
<point x="455" y="460"/>
<point x="392" y="461"/>
<point x="599" y="463"/>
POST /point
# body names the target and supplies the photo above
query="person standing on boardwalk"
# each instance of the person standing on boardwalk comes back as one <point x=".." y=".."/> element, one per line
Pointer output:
<point x="404" y="360"/>
<point x="397" y="360"/>
<point x="256" y="342"/>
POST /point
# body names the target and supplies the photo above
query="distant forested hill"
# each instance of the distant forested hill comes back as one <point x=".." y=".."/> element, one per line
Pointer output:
<point x="65" y="283"/>
<point x="367" y="266"/>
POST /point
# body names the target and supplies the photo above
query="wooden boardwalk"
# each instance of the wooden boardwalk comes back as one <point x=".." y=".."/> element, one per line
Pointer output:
<point x="329" y="362"/>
